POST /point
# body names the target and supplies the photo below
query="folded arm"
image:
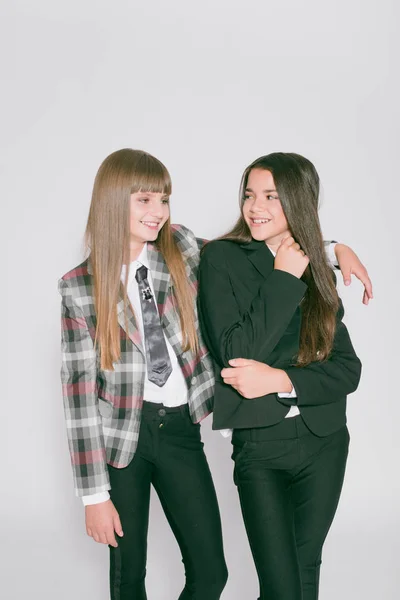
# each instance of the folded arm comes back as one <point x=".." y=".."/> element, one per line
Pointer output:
<point x="327" y="381"/>
<point x="228" y="332"/>
<point x="315" y="384"/>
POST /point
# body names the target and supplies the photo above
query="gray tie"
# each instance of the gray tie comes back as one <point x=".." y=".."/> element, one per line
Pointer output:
<point x="158" y="363"/>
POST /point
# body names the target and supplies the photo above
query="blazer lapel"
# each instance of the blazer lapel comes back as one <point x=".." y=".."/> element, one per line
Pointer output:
<point x="130" y="327"/>
<point x="260" y="256"/>
<point x="160" y="276"/>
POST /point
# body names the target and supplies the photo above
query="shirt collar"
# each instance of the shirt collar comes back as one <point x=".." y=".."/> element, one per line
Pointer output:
<point x="142" y="259"/>
<point x="256" y="245"/>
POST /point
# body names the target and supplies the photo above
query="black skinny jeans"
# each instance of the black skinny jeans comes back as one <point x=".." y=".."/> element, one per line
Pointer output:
<point x="289" y="484"/>
<point x="170" y="456"/>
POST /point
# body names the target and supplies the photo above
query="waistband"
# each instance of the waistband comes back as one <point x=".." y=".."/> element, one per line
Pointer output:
<point x="156" y="407"/>
<point x="284" y="430"/>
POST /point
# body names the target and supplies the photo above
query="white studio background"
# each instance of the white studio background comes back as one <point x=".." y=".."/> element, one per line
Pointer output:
<point x="206" y="87"/>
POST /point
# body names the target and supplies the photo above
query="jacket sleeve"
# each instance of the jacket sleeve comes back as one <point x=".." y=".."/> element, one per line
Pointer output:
<point x="78" y="377"/>
<point x="328" y="381"/>
<point x="229" y="332"/>
<point x="201" y="242"/>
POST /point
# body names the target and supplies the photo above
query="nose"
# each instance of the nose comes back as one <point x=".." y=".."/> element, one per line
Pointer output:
<point x="257" y="205"/>
<point x="156" y="209"/>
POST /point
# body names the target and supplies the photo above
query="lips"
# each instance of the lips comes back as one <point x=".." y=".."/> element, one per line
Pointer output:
<point x="150" y="224"/>
<point x="258" y="222"/>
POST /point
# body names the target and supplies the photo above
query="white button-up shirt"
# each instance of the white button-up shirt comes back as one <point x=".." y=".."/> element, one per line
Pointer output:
<point x="175" y="391"/>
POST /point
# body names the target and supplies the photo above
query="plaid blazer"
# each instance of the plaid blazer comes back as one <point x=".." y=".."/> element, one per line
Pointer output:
<point x="103" y="408"/>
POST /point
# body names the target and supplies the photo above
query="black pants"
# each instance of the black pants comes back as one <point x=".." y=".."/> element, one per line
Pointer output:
<point x="170" y="456"/>
<point x="289" y="483"/>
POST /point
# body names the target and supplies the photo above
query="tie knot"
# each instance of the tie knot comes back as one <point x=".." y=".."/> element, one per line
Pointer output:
<point x="141" y="274"/>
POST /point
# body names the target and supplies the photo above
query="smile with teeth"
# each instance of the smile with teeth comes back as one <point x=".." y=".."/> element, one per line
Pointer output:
<point x="151" y="224"/>
<point x="260" y="221"/>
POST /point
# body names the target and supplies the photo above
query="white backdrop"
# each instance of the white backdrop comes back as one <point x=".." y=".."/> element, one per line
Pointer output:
<point x="206" y="87"/>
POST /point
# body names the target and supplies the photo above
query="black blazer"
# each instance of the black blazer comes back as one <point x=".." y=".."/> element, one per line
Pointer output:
<point x="250" y="310"/>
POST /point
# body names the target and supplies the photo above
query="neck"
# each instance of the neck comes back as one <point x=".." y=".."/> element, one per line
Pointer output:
<point x="273" y="247"/>
<point x="135" y="249"/>
<point x="274" y="242"/>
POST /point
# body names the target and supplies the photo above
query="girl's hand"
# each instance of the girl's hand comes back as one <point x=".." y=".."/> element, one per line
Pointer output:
<point x="102" y="522"/>
<point x="291" y="258"/>
<point x="350" y="264"/>
<point x="253" y="379"/>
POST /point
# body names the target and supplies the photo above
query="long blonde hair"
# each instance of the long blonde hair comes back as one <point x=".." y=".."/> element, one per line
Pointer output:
<point x="107" y="237"/>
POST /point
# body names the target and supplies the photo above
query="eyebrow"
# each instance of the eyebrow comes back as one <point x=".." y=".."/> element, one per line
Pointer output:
<point x="264" y="191"/>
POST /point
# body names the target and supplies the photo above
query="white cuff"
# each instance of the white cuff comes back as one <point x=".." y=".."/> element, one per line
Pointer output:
<point x="291" y="394"/>
<point x="225" y="432"/>
<point x="95" y="498"/>
<point x="330" y="254"/>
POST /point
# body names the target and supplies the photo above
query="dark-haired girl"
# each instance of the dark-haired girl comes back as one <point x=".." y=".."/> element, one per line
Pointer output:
<point x="272" y="320"/>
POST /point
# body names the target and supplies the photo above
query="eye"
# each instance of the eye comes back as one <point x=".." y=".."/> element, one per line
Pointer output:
<point x="269" y="197"/>
<point x="165" y="200"/>
<point x="246" y="198"/>
<point x="143" y="200"/>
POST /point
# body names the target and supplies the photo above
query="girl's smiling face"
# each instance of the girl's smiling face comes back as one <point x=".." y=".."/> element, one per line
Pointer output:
<point x="262" y="209"/>
<point x="148" y="213"/>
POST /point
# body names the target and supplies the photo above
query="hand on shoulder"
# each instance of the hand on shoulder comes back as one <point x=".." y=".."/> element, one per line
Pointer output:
<point x="291" y="258"/>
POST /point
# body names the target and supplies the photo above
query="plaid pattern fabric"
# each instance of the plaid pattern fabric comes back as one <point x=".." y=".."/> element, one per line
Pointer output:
<point x="103" y="408"/>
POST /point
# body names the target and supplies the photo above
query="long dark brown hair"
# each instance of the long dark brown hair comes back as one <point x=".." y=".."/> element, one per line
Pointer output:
<point x="297" y="183"/>
<point x="121" y="174"/>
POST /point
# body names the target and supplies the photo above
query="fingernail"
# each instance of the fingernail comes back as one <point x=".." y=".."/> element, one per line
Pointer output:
<point x="347" y="282"/>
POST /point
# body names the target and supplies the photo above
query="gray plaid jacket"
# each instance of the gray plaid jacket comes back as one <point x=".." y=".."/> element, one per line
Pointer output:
<point x="103" y="408"/>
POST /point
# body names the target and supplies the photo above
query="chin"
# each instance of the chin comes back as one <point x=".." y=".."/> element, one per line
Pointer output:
<point x="258" y="236"/>
<point x="149" y="235"/>
<point x="151" y="239"/>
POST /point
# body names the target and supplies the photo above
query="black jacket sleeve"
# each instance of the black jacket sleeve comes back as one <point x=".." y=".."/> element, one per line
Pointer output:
<point x="231" y="333"/>
<point x="325" y="382"/>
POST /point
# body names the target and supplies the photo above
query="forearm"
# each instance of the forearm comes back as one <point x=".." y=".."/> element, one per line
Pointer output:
<point x="86" y="444"/>
<point x="83" y="420"/>
<point x="330" y="380"/>
<point x="230" y="333"/>
<point x="326" y="382"/>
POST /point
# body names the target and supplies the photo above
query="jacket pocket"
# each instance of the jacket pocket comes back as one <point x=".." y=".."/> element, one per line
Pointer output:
<point x="105" y="408"/>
